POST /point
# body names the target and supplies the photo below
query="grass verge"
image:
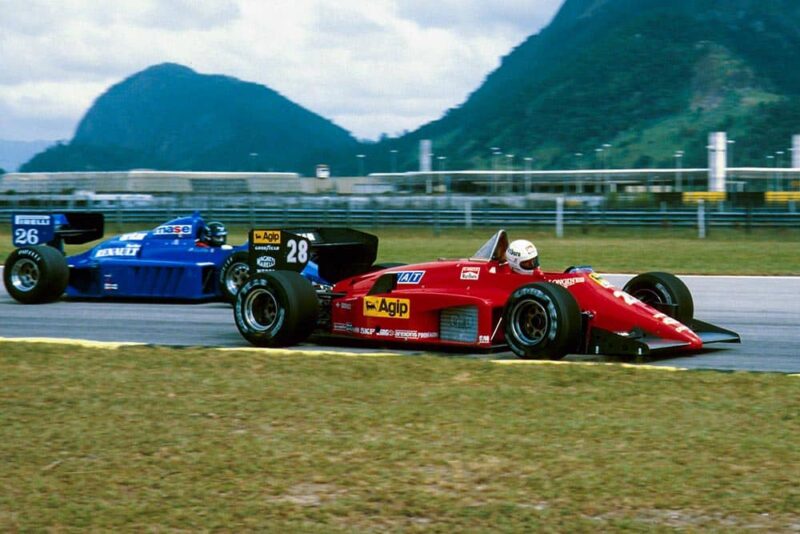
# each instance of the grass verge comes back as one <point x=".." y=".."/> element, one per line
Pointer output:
<point x="156" y="439"/>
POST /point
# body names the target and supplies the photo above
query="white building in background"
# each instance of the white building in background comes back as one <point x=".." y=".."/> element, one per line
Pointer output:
<point x="796" y="151"/>
<point x="425" y="155"/>
<point x="717" y="160"/>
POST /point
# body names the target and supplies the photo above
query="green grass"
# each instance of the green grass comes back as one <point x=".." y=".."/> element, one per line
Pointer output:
<point x="153" y="439"/>
<point x="766" y="252"/>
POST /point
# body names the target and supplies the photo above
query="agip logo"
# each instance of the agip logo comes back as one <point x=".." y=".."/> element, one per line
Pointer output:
<point x="387" y="307"/>
<point x="266" y="237"/>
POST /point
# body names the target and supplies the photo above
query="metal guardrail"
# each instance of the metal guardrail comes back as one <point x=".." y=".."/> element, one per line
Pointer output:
<point x="378" y="216"/>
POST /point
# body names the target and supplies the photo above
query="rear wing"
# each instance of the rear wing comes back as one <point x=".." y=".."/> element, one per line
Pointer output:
<point x="338" y="252"/>
<point x="30" y="229"/>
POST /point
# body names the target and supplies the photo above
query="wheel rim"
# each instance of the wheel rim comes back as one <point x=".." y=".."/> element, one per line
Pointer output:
<point x="530" y="322"/>
<point x="649" y="296"/>
<point x="236" y="276"/>
<point x="25" y="275"/>
<point x="261" y="310"/>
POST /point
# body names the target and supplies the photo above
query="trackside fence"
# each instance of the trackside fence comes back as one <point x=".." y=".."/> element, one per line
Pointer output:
<point x="436" y="216"/>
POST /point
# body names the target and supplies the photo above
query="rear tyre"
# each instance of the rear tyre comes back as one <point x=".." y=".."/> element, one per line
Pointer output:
<point x="233" y="274"/>
<point x="35" y="275"/>
<point x="276" y="309"/>
<point x="663" y="288"/>
<point x="542" y="321"/>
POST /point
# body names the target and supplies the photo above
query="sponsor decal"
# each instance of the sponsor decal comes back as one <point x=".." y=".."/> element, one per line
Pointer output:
<point x="265" y="262"/>
<point x="308" y="235"/>
<point x="669" y="321"/>
<point x="600" y="280"/>
<point x="126" y="251"/>
<point x="266" y="237"/>
<point x="174" y="229"/>
<point x="385" y="332"/>
<point x="365" y="331"/>
<point x="387" y="307"/>
<point x="343" y="327"/>
<point x="108" y="283"/>
<point x="470" y="273"/>
<point x="630" y="300"/>
<point x="409" y="277"/>
<point x="406" y="334"/>
<point x="569" y="282"/>
<point x="344" y="305"/>
<point x="483" y="340"/>
<point x="135" y="236"/>
<point x="32" y="220"/>
<point x="428" y="335"/>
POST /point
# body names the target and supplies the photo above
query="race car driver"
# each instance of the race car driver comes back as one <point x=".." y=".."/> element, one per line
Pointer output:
<point x="212" y="234"/>
<point x="522" y="257"/>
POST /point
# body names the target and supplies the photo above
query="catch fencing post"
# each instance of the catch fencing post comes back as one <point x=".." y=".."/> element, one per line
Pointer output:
<point x="701" y="219"/>
<point x="560" y="217"/>
<point x="119" y="215"/>
<point x="468" y="214"/>
<point x="436" y="223"/>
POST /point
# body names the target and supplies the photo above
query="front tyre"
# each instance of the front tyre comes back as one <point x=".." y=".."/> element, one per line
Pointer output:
<point x="35" y="275"/>
<point x="542" y="321"/>
<point x="276" y="309"/>
<point x="665" y="290"/>
<point x="233" y="274"/>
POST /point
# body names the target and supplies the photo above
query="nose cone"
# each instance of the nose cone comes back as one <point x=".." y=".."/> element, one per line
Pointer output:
<point x="666" y="326"/>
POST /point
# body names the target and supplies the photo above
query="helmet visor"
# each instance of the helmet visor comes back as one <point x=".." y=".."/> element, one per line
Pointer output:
<point x="530" y="264"/>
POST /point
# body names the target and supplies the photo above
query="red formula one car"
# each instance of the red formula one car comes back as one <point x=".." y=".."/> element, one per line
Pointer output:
<point x="475" y="303"/>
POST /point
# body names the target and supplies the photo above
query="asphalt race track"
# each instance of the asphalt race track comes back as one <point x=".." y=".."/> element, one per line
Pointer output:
<point x="765" y="311"/>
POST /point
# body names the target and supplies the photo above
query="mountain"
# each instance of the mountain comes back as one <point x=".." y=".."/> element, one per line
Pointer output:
<point x="15" y="153"/>
<point x="648" y="77"/>
<point x="169" y="117"/>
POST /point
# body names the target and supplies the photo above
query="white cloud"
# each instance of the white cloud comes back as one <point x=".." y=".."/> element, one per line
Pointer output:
<point x="372" y="67"/>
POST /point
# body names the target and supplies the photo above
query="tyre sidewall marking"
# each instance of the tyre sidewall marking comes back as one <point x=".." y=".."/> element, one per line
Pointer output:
<point x="547" y="302"/>
<point x="30" y="253"/>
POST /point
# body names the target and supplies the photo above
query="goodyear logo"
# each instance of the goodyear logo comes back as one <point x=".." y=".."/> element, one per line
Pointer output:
<point x="266" y="237"/>
<point x="387" y="307"/>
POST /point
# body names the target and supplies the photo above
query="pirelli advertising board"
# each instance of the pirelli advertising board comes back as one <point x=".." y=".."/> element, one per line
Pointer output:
<point x="278" y="250"/>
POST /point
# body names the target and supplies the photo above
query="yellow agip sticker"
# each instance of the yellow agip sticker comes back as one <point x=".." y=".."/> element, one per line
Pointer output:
<point x="387" y="307"/>
<point x="266" y="237"/>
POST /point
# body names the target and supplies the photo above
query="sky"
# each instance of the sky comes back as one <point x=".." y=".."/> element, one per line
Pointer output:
<point x="371" y="66"/>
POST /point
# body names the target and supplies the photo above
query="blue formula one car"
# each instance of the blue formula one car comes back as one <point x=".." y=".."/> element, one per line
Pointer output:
<point x="183" y="259"/>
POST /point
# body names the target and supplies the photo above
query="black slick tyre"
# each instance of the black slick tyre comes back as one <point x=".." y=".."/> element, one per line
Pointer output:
<point x="542" y="321"/>
<point x="276" y="309"/>
<point x="35" y="275"/>
<point x="663" y="288"/>
<point x="233" y="274"/>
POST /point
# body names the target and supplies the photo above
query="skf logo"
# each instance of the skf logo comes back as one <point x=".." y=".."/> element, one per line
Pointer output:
<point x="390" y="308"/>
<point x="266" y="237"/>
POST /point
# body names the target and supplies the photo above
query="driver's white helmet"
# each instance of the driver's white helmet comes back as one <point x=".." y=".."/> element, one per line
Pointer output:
<point x="522" y="256"/>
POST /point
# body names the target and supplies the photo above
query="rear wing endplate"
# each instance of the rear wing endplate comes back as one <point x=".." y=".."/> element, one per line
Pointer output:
<point x="55" y="229"/>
